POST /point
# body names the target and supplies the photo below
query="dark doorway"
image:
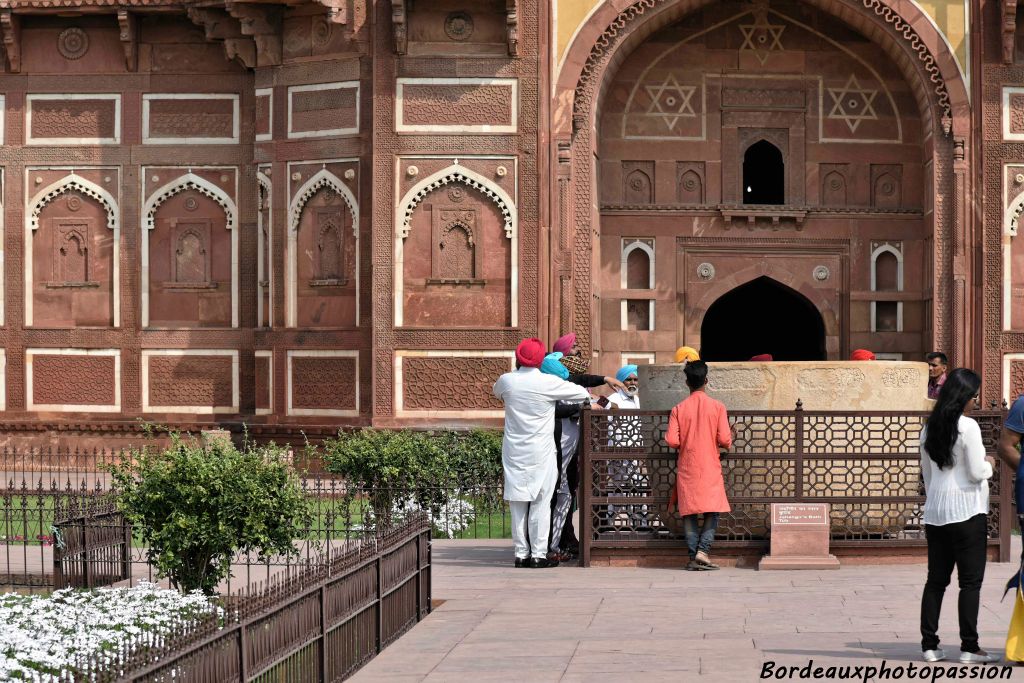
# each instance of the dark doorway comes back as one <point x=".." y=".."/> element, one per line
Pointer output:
<point x="764" y="174"/>
<point x="762" y="316"/>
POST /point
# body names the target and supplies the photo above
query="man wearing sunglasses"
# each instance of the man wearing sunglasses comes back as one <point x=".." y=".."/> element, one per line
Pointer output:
<point x="938" y="366"/>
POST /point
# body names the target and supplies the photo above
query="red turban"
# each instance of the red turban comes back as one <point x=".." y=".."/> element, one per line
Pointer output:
<point x="862" y="354"/>
<point x="530" y="352"/>
<point x="762" y="358"/>
<point x="563" y="344"/>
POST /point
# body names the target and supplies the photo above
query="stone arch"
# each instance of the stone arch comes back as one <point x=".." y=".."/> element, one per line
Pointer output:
<point x="883" y="249"/>
<point x="1011" y="220"/>
<point x="903" y="30"/>
<point x="418" y="192"/>
<point x="189" y="181"/>
<point x="318" y="181"/>
<point x="629" y="248"/>
<point x="76" y="183"/>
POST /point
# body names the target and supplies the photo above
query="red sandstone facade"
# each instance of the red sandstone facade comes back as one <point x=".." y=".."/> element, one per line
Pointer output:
<point x="348" y="212"/>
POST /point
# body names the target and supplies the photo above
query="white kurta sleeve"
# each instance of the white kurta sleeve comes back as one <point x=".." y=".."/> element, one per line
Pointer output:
<point x="567" y="391"/>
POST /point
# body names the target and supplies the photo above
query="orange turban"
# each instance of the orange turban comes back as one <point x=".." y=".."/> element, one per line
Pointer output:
<point x="684" y="354"/>
<point x="862" y="354"/>
<point x="530" y="352"/>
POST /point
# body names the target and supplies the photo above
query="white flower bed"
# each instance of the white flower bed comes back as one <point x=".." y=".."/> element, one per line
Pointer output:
<point x="41" y="636"/>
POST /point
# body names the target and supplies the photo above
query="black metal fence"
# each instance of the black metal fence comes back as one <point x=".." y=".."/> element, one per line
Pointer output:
<point x="866" y="465"/>
<point x="46" y="542"/>
<point x="322" y="621"/>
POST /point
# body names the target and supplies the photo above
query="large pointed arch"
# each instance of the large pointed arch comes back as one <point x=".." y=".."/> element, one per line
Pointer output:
<point x="189" y="181"/>
<point x="319" y="180"/>
<point x="73" y="183"/>
<point x="902" y="30"/>
<point x="418" y="192"/>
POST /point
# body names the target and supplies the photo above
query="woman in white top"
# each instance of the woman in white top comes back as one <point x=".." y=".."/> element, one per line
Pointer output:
<point x="956" y="473"/>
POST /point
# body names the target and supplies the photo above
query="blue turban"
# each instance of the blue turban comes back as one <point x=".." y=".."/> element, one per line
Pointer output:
<point x="624" y="372"/>
<point x="552" y="366"/>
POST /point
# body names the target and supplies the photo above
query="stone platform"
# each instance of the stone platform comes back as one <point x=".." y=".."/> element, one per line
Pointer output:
<point x="498" y="623"/>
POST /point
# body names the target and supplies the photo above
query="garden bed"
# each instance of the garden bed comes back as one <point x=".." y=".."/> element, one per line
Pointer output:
<point x="43" y="638"/>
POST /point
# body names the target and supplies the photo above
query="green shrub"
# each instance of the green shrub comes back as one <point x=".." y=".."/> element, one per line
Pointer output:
<point x="194" y="507"/>
<point x="396" y="467"/>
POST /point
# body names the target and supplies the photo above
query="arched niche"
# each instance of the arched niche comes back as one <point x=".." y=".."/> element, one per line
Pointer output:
<point x="72" y="270"/>
<point x="322" y="286"/>
<point x="456" y="208"/>
<point x="264" y="252"/>
<point x="189" y="256"/>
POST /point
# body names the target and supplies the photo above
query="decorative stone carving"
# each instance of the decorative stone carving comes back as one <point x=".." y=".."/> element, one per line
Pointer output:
<point x="706" y="272"/>
<point x="469" y="389"/>
<point x="822" y="273"/>
<point x="412" y="171"/>
<point x="458" y="26"/>
<point x="399" y="13"/>
<point x="455" y="175"/>
<point x="71" y="254"/>
<point x="690" y="182"/>
<point x="833" y="185"/>
<point x="77" y="184"/>
<point x="457" y="104"/>
<point x="190" y="181"/>
<point x="190" y="261"/>
<point x="886" y="190"/>
<point x="193" y="380"/>
<point x="323" y="383"/>
<point x="852" y="103"/>
<point x="10" y="25"/>
<point x="329" y="257"/>
<point x="638" y="182"/>
<point x="321" y="32"/>
<point x="73" y="380"/>
<point x="322" y="179"/>
<point x="456" y="256"/>
<point x="1009" y="24"/>
<point x="512" y="27"/>
<point x="761" y="37"/>
<point x="263" y="24"/>
<point x="128" y="26"/>
<point x="73" y="43"/>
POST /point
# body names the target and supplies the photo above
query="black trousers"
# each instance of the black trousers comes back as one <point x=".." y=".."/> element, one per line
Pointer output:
<point x="962" y="545"/>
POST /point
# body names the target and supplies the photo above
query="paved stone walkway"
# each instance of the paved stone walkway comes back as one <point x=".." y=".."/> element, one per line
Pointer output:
<point x="498" y="623"/>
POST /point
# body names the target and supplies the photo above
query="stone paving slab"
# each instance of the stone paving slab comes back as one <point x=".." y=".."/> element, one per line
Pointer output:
<point x="499" y="623"/>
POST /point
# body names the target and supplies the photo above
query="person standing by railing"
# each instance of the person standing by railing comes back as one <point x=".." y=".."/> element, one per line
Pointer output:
<point x="528" y="453"/>
<point x="938" y="367"/>
<point x="699" y="427"/>
<point x="955" y="471"/>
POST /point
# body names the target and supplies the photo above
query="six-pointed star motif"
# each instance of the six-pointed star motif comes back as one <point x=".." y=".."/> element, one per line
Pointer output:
<point x="762" y="37"/>
<point x="852" y="103"/>
<point x="671" y="101"/>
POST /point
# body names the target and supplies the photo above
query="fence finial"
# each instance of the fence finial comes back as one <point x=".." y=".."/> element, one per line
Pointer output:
<point x="799" y="404"/>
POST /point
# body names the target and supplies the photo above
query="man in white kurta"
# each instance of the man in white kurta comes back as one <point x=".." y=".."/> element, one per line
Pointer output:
<point x="528" y="452"/>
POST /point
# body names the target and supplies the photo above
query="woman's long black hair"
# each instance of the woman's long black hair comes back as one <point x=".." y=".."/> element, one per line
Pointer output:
<point x="960" y="388"/>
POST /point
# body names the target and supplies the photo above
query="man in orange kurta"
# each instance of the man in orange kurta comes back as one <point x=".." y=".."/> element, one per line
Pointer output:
<point x="699" y="427"/>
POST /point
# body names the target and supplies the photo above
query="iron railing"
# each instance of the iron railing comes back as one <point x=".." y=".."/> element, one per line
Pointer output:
<point x="322" y="621"/>
<point x="865" y="464"/>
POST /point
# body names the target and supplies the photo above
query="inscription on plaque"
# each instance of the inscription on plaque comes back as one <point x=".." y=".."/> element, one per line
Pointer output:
<point x="800" y="537"/>
<point x="799" y="513"/>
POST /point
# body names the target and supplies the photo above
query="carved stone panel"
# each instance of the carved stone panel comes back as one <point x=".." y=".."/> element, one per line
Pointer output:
<point x="72" y="264"/>
<point x="192" y="120"/>
<point x="325" y="287"/>
<point x="690" y="182"/>
<point x="638" y="182"/>
<point x="323" y="110"/>
<point x="323" y="383"/>
<point x="467" y="387"/>
<point x="457" y="231"/>
<point x="834" y="184"/>
<point x="74" y="120"/>
<point x="190" y="269"/>
<point x="886" y="185"/>
<point x="468" y="105"/>
<point x="263" y="382"/>
<point x="73" y="380"/>
<point x="196" y="381"/>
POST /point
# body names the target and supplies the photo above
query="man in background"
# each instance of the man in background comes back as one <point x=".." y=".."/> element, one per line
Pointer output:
<point x="938" y="368"/>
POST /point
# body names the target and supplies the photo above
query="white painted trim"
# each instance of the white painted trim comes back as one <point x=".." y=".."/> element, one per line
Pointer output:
<point x="401" y="411"/>
<point x="899" y="284"/>
<point x="319" y="180"/>
<point x="3" y="120"/>
<point x="407" y="205"/>
<point x="30" y="404"/>
<point x="150" y="97"/>
<point x="1007" y="91"/>
<point x="3" y="379"/>
<point x="34" y="209"/>
<point x="269" y="93"/>
<point x="270" y="382"/>
<point x="1008" y="359"/>
<point x="165" y="192"/>
<point x="629" y="244"/>
<point x="148" y="407"/>
<point x="326" y="412"/>
<point x="401" y="127"/>
<point x="630" y="357"/>
<point x="29" y="99"/>
<point x="339" y="85"/>
<point x="263" y="180"/>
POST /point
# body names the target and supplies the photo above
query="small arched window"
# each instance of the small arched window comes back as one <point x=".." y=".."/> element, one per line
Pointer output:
<point x="637" y="273"/>
<point x="764" y="174"/>
<point x="886" y="276"/>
